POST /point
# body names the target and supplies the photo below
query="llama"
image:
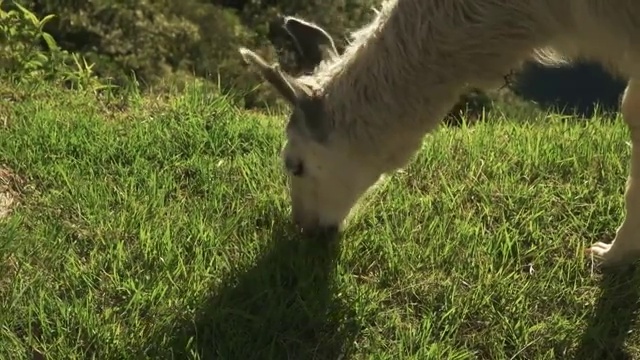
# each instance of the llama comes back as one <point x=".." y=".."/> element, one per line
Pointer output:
<point x="364" y="113"/>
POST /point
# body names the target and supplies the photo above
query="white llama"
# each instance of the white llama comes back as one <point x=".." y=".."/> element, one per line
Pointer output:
<point x="364" y="113"/>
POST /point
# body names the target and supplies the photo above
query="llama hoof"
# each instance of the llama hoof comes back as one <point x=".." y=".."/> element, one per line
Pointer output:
<point x="610" y="255"/>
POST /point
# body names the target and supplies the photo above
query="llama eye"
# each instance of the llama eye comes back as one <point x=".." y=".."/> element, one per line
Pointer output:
<point x="295" y="167"/>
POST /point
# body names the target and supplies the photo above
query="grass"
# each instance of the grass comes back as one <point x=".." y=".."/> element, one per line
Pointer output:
<point x="159" y="229"/>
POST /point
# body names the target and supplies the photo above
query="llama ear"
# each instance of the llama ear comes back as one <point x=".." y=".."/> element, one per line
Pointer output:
<point x="287" y="86"/>
<point x="313" y="43"/>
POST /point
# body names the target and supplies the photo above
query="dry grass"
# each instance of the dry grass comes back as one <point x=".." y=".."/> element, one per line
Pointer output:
<point x="10" y="183"/>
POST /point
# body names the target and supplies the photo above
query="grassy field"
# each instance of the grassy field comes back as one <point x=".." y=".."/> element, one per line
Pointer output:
<point x="158" y="228"/>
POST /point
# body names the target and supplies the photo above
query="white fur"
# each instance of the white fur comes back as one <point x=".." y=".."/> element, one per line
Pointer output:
<point x="403" y="71"/>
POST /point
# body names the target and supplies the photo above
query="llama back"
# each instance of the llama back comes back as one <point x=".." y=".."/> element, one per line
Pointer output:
<point x="446" y="45"/>
<point x="607" y="31"/>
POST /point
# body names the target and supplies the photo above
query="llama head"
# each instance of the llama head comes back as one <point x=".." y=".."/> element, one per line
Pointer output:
<point x="327" y="176"/>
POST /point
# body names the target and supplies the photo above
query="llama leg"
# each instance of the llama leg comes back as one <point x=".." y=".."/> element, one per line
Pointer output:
<point x="626" y="245"/>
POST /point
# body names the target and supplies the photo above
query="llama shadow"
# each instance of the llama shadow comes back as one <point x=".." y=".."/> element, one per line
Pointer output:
<point x="579" y="89"/>
<point x="613" y="318"/>
<point x="283" y="307"/>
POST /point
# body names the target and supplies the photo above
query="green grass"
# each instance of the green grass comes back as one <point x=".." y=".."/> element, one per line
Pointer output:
<point x="159" y="229"/>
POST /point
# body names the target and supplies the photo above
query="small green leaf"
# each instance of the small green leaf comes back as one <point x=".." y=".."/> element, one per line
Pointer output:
<point x="42" y="57"/>
<point x="32" y="17"/>
<point x="45" y="20"/>
<point x="51" y="42"/>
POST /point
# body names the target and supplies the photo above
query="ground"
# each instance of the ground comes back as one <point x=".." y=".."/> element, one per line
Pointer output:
<point x="158" y="228"/>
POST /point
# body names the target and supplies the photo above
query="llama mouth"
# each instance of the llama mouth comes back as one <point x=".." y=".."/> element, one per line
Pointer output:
<point x="321" y="232"/>
<point x="313" y="228"/>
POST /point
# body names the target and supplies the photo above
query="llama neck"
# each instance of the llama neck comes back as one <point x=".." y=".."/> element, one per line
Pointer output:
<point x="382" y="84"/>
<point x="415" y="60"/>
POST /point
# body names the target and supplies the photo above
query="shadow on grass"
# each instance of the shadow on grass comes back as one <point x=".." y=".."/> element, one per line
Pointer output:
<point x="613" y="318"/>
<point x="283" y="307"/>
